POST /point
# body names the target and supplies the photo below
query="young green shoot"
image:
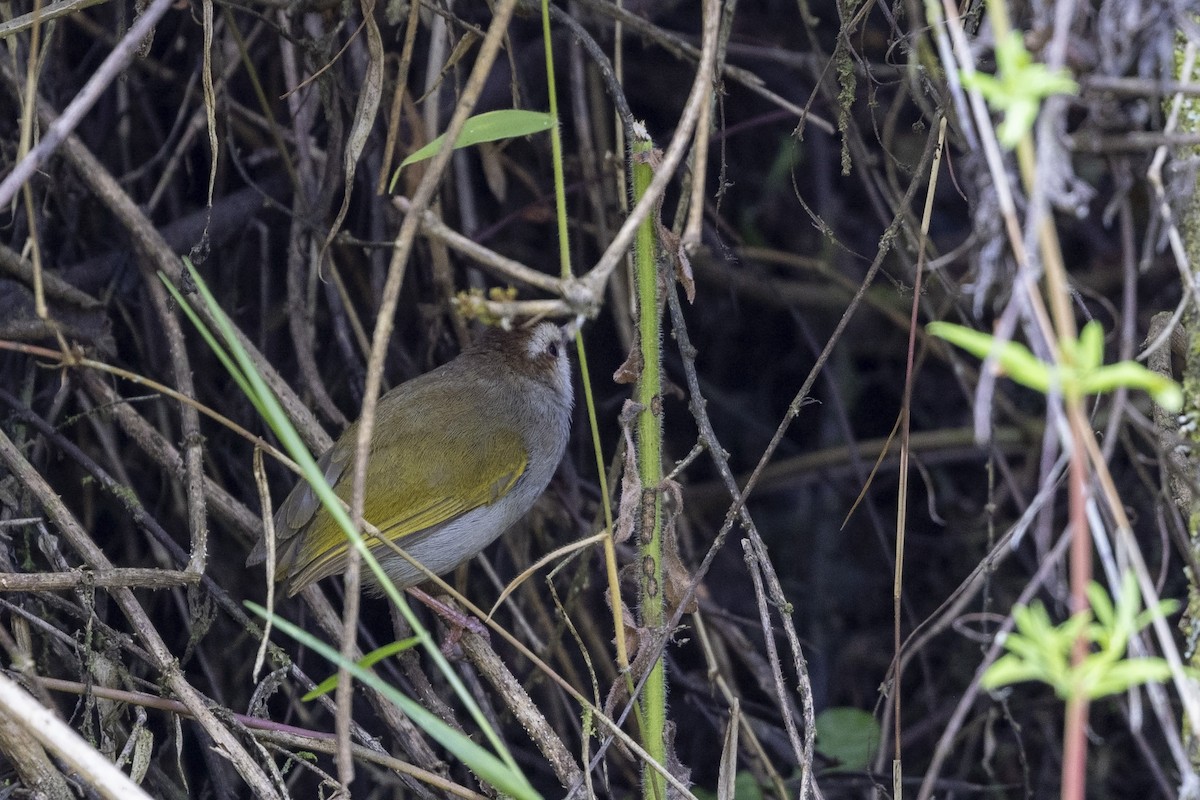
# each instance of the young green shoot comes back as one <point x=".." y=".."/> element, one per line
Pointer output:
<point x="1079" y="373"/>
<point x="1039" y="650"/>
<point x="1018" y="87"/>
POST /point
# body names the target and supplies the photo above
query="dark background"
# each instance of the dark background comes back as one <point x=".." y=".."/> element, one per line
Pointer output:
<point x="788" y="238"/>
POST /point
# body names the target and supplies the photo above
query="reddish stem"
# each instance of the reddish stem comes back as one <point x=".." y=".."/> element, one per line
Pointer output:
<point x="1074" y="768"/>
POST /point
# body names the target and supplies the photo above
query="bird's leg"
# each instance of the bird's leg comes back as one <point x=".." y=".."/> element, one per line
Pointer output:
<point x="457" y="620"/>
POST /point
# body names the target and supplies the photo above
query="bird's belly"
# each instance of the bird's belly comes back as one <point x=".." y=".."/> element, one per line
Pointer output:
<point x="446" y="546"/>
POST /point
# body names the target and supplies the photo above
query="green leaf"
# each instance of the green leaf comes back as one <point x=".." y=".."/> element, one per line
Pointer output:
<point x="1089" y="354"/>
<point x="491" y="126"/>
<point x="1101" y="603"/>
<point x="1018" y="88"/>
<point x="849" y="735"/>
<point x="366" y="662"/>
<point x="1165" y="608"/>
<point x="745" y="787"/>
<point x="1015" y="359"/>
<point x="1009" y="669"/>
<point x="1124" y="675"/>
<point x="1130" y="374"/>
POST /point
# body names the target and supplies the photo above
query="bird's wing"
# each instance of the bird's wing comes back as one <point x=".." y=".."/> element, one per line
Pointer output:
<point x="454" y="471"/>
<point x="296" y="511"/>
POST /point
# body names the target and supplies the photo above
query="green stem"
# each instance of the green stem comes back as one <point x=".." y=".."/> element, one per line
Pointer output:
<point x="649" y="446"/>
<point x="560" y="195"/>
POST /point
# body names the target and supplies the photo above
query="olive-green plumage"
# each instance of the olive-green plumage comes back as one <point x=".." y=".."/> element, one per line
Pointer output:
<point x="457" y="456"/>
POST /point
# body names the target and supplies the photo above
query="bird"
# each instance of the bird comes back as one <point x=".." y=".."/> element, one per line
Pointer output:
<point x="457" y="456"/>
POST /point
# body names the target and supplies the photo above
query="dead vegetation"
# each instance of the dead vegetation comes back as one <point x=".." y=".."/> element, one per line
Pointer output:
<point x="127" y="514"/>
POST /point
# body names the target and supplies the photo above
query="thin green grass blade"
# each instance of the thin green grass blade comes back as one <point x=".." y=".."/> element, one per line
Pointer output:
<point x="366" y="662"/>
<point x="484" y="764"/>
